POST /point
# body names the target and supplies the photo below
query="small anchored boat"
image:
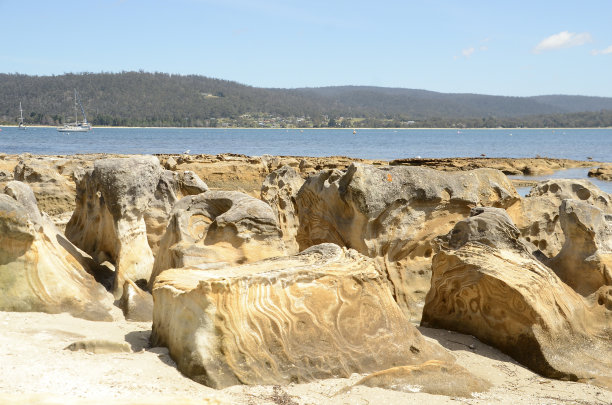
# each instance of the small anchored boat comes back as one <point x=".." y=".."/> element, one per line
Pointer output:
<point x="77" y="126"/>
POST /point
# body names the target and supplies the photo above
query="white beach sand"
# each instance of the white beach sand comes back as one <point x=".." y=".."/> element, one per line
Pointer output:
<point x="35" y="368"/>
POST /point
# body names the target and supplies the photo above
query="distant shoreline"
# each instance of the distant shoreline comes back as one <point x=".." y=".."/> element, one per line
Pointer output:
<point x="319" y="128"/>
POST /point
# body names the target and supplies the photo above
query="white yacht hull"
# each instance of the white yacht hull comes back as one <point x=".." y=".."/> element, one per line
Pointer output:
<point x="73" y="129"/>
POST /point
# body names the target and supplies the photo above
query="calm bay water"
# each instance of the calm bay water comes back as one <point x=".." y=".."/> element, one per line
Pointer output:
<point x="384" y="144"/>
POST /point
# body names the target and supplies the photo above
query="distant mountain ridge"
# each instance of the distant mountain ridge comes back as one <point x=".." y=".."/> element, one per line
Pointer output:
<point x="140" y="98"/>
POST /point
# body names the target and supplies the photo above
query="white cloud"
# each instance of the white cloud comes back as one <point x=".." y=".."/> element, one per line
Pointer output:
<point x="467" y="52"/>
<point x="606" y="51"/>
<point x="563" y="39"/>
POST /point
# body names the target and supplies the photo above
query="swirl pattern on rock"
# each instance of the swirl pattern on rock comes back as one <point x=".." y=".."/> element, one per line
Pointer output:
<point x="585" y="261"/>
<point x="37" y="270"/>
<point x="225" y="227"/>
<point x="323" y="313"/>
<point x="538" y="218"/>
<point x="507" y="298"/>
<point x="279" y="190"/>
<point x="393" y="213"/>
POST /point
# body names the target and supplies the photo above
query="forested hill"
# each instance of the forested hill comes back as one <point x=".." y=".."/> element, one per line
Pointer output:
<point x="159" y="99"/>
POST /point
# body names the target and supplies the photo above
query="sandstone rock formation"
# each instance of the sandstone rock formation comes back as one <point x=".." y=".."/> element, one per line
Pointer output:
<point x="507" y="298"/>
<point x="226" y="227"/>
<point x="5" y="176"/>
<point x="538" y="218"/>
<point x="136" y="304"/>
<point x="51" y="180"/>
<point x="37" y="269"/>
<point x="602" y="173"/>
<point x="585" y="261"/>
<point x="243" y="173"/>
<point x="122" y="209"/>
<point x="108" y="222"/>
<point x="518" y="166"/>
<point x="279" y="190"/>
<point x="23" y="194"/>
<point x="323" y="313"/>
<point x="172" y="186"/>
<point x="393" y="213"/>
<point x="227" y="171"/>
<point x="433" y="377"/>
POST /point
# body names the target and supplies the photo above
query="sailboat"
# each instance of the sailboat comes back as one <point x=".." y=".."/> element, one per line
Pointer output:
<point x="77" y="126"/>
<point x="21" y="124"/>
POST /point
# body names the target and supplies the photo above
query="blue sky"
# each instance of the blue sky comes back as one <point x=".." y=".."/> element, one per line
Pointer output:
<point x="515" y="48"/>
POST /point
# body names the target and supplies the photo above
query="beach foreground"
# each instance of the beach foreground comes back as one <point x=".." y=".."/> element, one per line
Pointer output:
<point x="296" y="280"/>
<point x="38" y="370"/>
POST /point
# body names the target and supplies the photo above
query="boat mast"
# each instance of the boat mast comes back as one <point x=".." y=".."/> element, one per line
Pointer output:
<point x="21" y="114"/>
<point x="76" y="117"/>
<point x="82" y="111"/>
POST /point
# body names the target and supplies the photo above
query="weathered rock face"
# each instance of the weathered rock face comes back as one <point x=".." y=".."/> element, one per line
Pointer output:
<point x="136" y="304"/>
<point x="227" y="171"/>
<point x="538" y="218"/>
<point x="279" y="190"/>
<point x="602" y="173"/>
<point x="323" y="313"/>
<point x="218" y="227"/>
<point x="108" y="222"/>
<point x="122" y="210"/>
<point x="5" y="176"/>
<point x="51" y="180"/>
<point x="392" y="214"/>
<point x="585" y="261"/>
<point x="23" y="194"/>
<point x="172" y="186"/>
<point x="433" y="377"/>
<point x="243" y="173"/>
<point x="507" y="298"/>
<point x="37" y="271"/>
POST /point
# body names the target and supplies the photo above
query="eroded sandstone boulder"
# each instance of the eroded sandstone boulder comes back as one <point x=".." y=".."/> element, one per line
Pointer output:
<point x="51" y="181"/>
<point x="226" y="227"/>
<point x="172" y="186"/>
<point x="136" y="303"/>
<point x="37" y="270"/>
<point x="5" y="176"/>
<point x="323" y="313"/>
<point x="393" y="213"/>
<point x="507" y="298"/>
<point x="585" y="261"/>
<point x="279" y="190"/>
<point x="122" y="210"/>
<point x="538" y="218"/>
<point x="228" y="171"/>
<point x="602" y="173"/>
<point x="108" y="222"/>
